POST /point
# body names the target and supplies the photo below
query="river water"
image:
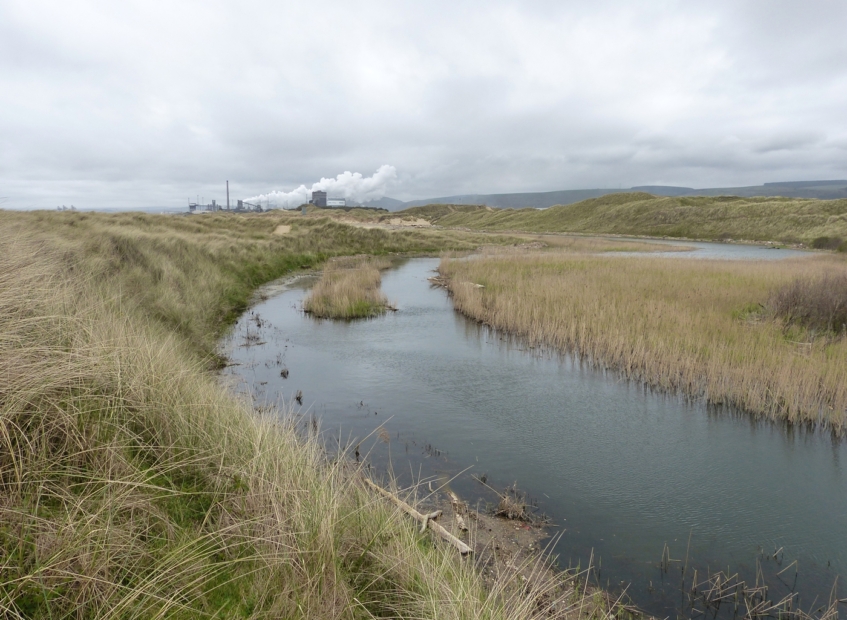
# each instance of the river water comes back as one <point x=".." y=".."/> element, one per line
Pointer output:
<point x="621" y="470"/>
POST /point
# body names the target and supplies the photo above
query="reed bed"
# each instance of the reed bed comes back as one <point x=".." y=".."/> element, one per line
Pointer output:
<point x="134" y="485"/>
<point x="700" y="328"/>
<point x="579" y="243"/>
<point x="349" y="289"/>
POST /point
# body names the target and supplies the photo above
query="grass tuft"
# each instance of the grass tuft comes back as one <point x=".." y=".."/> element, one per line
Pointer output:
<point x="819" y="304"/>
<point x="349" y="289"/>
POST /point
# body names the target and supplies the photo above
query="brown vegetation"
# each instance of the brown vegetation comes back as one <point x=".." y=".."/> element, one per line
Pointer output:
<point x="348" y="289"/>
<point x="819" y="304"/>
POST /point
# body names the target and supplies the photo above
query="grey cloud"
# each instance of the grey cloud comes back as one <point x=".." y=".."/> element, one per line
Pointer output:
<point x="787" y="142"/>
<point x="142" y="103"/>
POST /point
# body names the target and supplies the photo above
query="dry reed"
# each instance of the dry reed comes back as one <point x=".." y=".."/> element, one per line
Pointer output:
<point x="348" y="289"/>
<point x="819" y="304"/>
<point x="695" y="327"/>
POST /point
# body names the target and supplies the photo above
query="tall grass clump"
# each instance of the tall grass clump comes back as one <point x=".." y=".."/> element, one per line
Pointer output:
<point x="348" y="289"/>
<point x="819" y="304"/>
<point x="134" y="485"/>
<point x="830" y="243"/>
<point x="699" y="328"/>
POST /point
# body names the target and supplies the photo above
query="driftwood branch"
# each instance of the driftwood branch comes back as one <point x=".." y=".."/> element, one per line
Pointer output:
<point x="424" y="520"/>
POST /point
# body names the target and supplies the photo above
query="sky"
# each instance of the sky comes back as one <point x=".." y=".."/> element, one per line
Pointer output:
<point x="153" y="103"/>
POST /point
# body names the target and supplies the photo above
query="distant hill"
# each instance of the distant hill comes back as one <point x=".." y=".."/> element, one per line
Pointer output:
<point x="824" y="190"/>
<point x="518" y="201"/>
<point x="820" y="223"/>
<point x="385" y="203"/>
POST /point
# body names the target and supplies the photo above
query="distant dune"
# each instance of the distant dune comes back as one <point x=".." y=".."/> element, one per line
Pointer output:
<point x="825" y="190"/>
<point x="819" y="223"/>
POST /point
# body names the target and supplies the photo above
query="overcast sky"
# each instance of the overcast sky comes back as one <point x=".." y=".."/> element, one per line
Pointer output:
<point x="141" y="103"/>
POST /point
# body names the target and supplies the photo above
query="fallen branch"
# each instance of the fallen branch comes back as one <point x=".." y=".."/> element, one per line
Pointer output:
<point x="424" y="520"/>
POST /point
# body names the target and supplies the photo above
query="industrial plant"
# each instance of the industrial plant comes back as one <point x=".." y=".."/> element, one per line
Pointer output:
<point x="242" y="206"/>
<point x="319" y="199"/>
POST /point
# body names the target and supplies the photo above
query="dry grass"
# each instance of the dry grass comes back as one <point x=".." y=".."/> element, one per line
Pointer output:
<point x="578" y="243"/>
<point x="695" y="327"/>
<point x="349" y="289"/>
<point x="819" y="304"/>
<point x="133" y="485"/>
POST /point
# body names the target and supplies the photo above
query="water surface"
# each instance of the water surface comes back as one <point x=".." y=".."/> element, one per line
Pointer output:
<point x="622" y="470"/>
<point x="713" y="250"/>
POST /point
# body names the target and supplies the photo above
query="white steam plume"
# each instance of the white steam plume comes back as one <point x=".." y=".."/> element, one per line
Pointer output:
<point x="350" y="185"/>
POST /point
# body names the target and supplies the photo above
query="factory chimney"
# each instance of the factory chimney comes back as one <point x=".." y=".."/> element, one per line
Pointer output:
<point x="227" y="195"/>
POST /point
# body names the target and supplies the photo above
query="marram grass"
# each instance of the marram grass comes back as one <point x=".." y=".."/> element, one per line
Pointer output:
<point x="701" y="328"/>
<point x="133" y="485"/>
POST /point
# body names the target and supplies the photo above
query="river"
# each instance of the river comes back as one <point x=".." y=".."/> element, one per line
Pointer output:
<point x="622" y="471"/>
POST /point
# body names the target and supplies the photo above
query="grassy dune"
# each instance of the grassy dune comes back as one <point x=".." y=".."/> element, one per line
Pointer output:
<point x="133" y="485"/>
<point x="348" y="289"/>
<point x="164" y="265"/>
<point x="724" y="217"/>
<point x="701" y="328"/>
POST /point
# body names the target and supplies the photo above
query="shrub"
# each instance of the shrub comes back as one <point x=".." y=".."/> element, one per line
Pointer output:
<point x="819" y="304"/>
<point x="829" y="243"/>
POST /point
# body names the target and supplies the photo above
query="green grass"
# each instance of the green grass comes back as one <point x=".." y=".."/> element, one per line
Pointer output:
<point x="134" y="485"/>
<point x="715" y="218"/>
<point x="162" y="265"/>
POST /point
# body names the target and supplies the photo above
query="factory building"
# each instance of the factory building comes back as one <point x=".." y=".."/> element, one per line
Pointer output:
<point x="318" y="199"/>
<point x="336" y="202"/>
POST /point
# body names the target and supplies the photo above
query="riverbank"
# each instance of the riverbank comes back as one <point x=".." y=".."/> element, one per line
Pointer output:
<point x="692" y="327"/>
<point x="134" y="484"/>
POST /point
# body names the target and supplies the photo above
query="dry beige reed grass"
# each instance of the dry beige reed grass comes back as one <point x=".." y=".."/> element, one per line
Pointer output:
<point x="133" y="485"/>
<point x="349" y="289"/>
<point x="578" y="243"/>
<point x="690" y="326"/>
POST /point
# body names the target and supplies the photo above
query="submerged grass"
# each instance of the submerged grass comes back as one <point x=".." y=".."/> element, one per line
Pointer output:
<point x="702" y="328"/>
<point x="133" y="485"/>
<point x="348" y="289"/>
